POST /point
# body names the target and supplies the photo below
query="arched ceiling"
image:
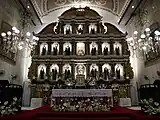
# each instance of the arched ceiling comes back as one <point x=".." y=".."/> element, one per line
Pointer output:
<point x="44" y="7"/>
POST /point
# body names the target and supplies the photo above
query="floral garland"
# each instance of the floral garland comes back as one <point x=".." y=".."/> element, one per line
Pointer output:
<point x="10" y="109"/>
<point x="150" y="106"/>
<point x="96" y="105"/>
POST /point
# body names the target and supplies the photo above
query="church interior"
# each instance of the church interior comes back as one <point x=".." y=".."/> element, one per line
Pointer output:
<point x="81" y="59"/>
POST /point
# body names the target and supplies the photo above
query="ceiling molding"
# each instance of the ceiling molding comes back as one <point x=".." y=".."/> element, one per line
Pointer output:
<point x="36" y="8"/>
<point x="128" y="13"/>
<point x="69" y="6"/>
<point x="124" y="8"/>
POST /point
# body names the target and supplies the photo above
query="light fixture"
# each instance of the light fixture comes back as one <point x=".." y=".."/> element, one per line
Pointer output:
<point x="145" y="41"/>
<point x="15" y="39"/>
<point x="132" y="6"/>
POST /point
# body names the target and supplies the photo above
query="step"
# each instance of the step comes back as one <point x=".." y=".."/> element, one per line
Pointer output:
<point x="81" y="114"/>
<point x="109" y="118"/>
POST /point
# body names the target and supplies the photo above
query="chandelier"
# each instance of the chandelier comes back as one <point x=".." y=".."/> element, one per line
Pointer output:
<point x="19" y="39"/>
<point x="144" y="42"/>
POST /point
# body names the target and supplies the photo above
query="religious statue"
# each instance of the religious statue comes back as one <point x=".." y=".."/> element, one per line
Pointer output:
<point x="80" y="29"/>
<point x="55" y="50"/>
<point x="67" y="73"/>
<point x="118" y="76"/>
<point x="105" y="51"/>
<point x="92" y="30"/>
<point x="44" y="50"/>
<point x="93" y="72"/>
<point x="42" y="73"/>
<point x="93" y="51"/>
<point x="117" y="50"/>
<point x="80" y="70"/>
<point x="54" y="74"/>
<point x="81" y="52"/>
<point x="67" y="30"/>
<point x="106" y="73"/>
<point x="67" y="50"/>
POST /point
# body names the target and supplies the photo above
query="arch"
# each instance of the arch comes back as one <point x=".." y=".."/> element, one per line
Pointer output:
<point x="53" y="67"/>
<point x="66" y="66"/>
<point x="55" y="44"/>
<point x="66" y="45"/>
<point x="39" y="69"/>
<point x="105" y="44"/>
<point x="117" y="45"/>
<point x="94" y="66"/>
<point x="80" y="65"/>
<point x="67" y="27"/>
<point x="120" y="67"/>
<point x="41" y="47"/>
<point x="106" y="66"/>
<point x="93" y="44"/>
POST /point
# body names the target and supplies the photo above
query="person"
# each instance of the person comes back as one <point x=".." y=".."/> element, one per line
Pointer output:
<point x="118" y="72"/>
<point x="44" y="50"/>
<point x="42" y="73"/>
<point x="117" y="50"/>
<point x="105" y="51"/>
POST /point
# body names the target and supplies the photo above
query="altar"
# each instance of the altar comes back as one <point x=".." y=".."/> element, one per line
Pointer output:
<point x="81" y="100"/>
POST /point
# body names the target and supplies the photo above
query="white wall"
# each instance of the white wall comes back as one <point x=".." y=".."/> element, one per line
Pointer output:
<point x="10" y="13"/>
<point x="151" y="8"/>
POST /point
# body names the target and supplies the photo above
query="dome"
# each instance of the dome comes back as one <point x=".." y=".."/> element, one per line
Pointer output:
<point x="80" y="12"/>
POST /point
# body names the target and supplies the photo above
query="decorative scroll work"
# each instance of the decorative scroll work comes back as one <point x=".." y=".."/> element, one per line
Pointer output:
<point x="60" y="2"/>
<point x="101" y="2"/>
<point x="81" y="92"/>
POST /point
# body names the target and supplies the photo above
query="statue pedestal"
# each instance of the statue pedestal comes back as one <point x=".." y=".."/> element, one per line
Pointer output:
<point x="80" y="80"/>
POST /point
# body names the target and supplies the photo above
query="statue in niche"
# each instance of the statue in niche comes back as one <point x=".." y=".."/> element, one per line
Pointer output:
<point x="68" y="30"/>
<point x="93" y="51"/>
<point x="106" y="73"/>
<point x="93" y="72"/>
<point x="81" y="52"/>
<point x="117" y="50"/>
<point x="105" y="51"/>
<point x="80" y="70"/>
<point x="80" y="29"/>
<point x="92" y="30"/>
<point x="55" y="49"/>
<point x="42" y="73"/>
<point x="67" y="73"/>
<point x="54" y="73"/>
<point x="44" y="50"/>
<point x="67" y="50"/>
<point x="118" y="76"/>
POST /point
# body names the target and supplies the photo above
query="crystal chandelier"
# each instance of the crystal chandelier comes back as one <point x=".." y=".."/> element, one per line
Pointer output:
<point x="16" y="40"/>
<point x="144" y="42"/>
<point x="19" y="39"/>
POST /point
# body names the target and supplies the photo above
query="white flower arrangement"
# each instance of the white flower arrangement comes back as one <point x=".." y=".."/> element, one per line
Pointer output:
<point x="7" y="108"/>
<point x="150" y="106"/>
<point x="96" y="105"/>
